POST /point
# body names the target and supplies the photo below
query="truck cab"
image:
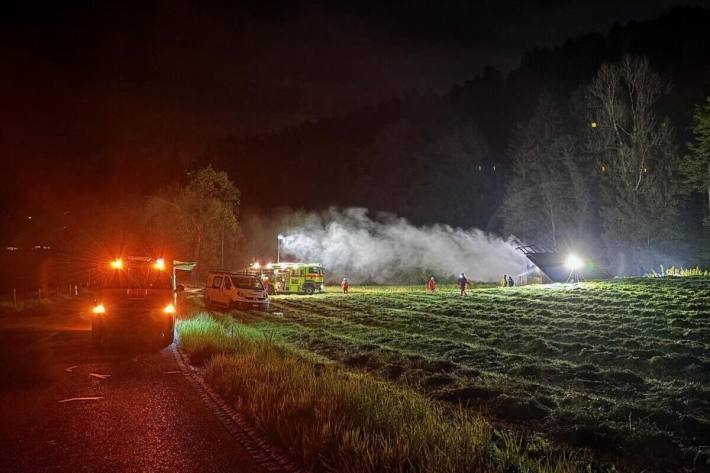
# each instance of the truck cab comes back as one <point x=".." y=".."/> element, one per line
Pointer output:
<point x="134" y="295"/>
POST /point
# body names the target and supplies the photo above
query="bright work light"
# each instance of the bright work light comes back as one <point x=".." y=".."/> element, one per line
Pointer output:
<point x="574" y="262"/>
<point x="169" y="309"/>
<point x="99" y="309"/>
<point x="117" y="263"/>
<point x="159" y="264"/>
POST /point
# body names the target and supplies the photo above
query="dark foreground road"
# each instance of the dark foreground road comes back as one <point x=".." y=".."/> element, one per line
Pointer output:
<point x="147" y="418"/>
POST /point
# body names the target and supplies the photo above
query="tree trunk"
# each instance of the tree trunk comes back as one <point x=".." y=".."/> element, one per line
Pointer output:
<point x="551" y="215"/>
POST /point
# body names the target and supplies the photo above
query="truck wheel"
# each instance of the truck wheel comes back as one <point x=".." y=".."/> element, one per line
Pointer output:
<point x="309" y="289"/>
<point x="169" y="334"/>
<point x="98" y="333"/>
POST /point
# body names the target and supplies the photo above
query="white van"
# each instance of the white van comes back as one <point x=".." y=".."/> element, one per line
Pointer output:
<point x="234" y="290"/>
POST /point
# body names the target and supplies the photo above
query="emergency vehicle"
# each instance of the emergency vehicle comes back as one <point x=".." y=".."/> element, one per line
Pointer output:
<point x="235" y="290"/>
<point x="134" y="295"/>
<point x="291" y="278"/>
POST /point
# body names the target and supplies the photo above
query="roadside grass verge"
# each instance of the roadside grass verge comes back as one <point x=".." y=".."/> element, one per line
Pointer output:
<point x="334" y="420"/>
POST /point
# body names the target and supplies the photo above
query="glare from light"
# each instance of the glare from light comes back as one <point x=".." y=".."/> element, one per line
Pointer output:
<point x="117" y="263"/>
<point x="159" y="264"/>
<point x="256" y="265"/>
<point x="99" y="309"/>
<point x="269" y="266"/>
<point x="169" y="309"/>
<point x="280" y="236"/>
<point x="574" y="262"/>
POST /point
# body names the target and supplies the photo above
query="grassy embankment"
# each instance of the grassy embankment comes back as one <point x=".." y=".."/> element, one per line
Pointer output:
<point x="332" y="419"/>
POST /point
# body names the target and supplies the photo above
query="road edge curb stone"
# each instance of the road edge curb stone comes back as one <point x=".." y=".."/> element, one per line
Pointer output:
<point x="263" y="452"/>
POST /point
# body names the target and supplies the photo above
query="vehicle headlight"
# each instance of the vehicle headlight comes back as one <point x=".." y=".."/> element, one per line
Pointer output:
<point x="98" y="309"/>
<point x="169" y="309"/>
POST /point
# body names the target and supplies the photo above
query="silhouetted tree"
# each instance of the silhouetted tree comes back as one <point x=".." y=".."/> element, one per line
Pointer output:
<point x="695" y="170"/>
<point x="695" y="167"/>
<point x="636" y="155"/>
<point x="200" y="218"/>
<point x="546" y="198"/>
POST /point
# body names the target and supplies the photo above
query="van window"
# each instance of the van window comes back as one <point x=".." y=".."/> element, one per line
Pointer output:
<point x="246" y="282"/>
<point x="217" y="282"/>
<point x="314" y="270"/>
<point x="227" y="283"/>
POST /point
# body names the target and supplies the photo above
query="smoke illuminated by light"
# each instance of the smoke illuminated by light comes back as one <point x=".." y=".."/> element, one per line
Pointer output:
<point x="351" y="244"/>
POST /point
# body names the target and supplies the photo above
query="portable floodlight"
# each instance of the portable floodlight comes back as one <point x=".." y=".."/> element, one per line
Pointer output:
<point x="574" y="263"/>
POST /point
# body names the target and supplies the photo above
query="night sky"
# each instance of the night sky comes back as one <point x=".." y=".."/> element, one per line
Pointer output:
<point x="121" y="97"/>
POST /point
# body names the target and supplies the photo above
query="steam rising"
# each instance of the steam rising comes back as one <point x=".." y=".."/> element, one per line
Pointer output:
<point x="390" y="250"/>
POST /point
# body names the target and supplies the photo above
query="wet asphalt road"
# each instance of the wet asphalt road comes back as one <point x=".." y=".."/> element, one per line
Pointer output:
<point x="149" y="418"/>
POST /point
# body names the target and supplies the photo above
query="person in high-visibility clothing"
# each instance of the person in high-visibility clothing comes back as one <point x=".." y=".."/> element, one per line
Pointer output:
<point x="345" y="285"/>
<point x="463" y="284"/>
<point x="431" y="285"/>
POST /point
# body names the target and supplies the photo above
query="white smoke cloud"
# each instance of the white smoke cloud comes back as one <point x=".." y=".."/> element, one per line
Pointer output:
<point x="388" y="249"/>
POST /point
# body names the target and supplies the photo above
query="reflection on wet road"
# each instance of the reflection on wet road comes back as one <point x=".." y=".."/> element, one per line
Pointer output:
<point x="68" y="407"/>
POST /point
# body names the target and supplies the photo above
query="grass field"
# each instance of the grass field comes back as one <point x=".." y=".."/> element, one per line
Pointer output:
<point x="619" y="371"/>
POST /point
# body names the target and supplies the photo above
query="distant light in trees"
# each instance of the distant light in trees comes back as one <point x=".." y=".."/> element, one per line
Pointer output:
<point x="603" y="167"/>
<point x="594" y="124"/>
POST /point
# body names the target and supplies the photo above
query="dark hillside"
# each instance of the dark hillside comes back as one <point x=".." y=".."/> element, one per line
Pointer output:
<point x="393" y="156"/>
